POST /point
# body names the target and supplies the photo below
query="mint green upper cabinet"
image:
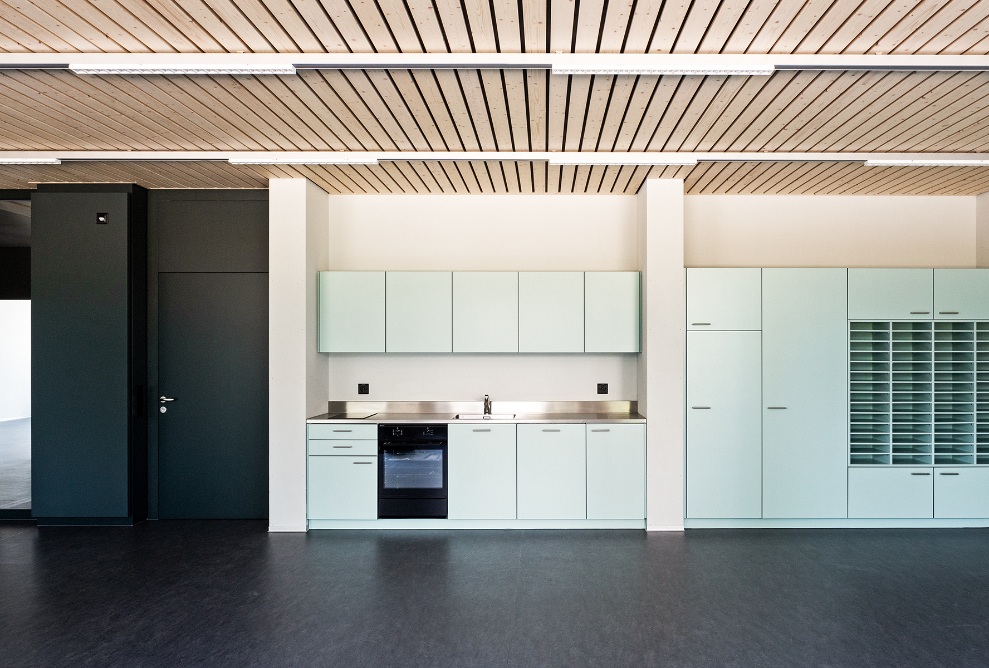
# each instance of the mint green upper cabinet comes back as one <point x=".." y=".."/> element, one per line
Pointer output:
<point x="961" y="294"/>
<point x="551" y="311"/>
<point x="552" y="472"/>
<point x="724" y="299"/>
<point x="481" y="472"/>
<point x="351" y="312"/>
<point x="419" y="312"/>
<point x="805" y="393"/>
<point x="616" y="471"/>
<point x="485" y="312"/>
<point x="724" y="425"/>
<point x="890" y="294"/>
<point x="611" y="312"/>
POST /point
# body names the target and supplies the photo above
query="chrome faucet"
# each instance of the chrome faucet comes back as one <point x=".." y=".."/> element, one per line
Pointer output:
<point x="487" y="405"/>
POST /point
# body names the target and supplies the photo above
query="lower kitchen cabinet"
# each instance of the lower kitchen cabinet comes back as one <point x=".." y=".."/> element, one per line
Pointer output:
<point x="961" y="493"/>
<point x="616" y="471"/>
<point x="891" y="492"/>
<point x="343" y="487"/>
<point x="552" y="472"/>
<point x="481" y="471"/>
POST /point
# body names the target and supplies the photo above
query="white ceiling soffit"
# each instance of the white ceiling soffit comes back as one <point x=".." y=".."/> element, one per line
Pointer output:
<point x="559" y="63"/>
<point x="553" y="158"/>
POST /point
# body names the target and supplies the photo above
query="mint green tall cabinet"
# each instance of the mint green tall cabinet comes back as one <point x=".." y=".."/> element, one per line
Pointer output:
<point x="804" y="388"/>
<point x="724" y="425"/>
<point x="419" y="312"/>
<point x="351" y="312"/>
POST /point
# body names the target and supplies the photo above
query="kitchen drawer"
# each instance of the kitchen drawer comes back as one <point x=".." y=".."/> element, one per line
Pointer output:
<point x="341" y="447"/>
<point x="344" y="431"/>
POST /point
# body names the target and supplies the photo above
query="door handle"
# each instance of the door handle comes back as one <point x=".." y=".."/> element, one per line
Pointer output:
<point x="163" y="399"/>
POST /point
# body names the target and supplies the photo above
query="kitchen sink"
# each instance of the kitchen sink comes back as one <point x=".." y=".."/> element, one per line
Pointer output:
<point x="482" y="416"/>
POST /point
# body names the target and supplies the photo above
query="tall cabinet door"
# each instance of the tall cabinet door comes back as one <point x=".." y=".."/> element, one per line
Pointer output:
<point x="804" y="393"/>
<point x="724" y="426"/>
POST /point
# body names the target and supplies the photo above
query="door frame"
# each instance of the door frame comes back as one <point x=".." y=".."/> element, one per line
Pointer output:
<point x="11" y="514"/>
<point x="156" y="200"/>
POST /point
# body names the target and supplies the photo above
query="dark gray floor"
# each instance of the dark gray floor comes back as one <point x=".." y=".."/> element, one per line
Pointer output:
<point x="15" y="464"/>
<point x="229" y="594"/>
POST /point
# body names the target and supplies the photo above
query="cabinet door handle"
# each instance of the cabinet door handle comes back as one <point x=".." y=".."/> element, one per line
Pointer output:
<point x="776" y="408"/>
<point x="342" y="447"/>
<point x="363" y="462"/>
<point x="920" y="312"/>
<point x="701" y="408"/>
<point x="479" y="430"/>
<point x="948" y="312"/>
<point x="943" y="473"/>
<point x="551" y="430"/>
<point x="343" y="431"/>
<point x="700" y="324"/>
<point x="920" y="474"/>
<point x="600" y="430"/>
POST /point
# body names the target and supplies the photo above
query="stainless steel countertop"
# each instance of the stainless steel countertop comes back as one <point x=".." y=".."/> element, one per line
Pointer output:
<point x="531" y="412"/>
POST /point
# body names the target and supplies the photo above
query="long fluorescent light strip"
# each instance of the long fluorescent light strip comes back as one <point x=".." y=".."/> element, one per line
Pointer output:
<point x="927" y="163"/>
<point x="622" y="159"/>
<point x="665" y="71"/>
<point x="200" y="68"/>
<point x="30" y="161"/>
<point x="342" y="160"/>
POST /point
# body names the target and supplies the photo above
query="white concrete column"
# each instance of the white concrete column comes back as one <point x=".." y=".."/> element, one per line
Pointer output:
<point x="298" y="386"/>
<point x="982" y="230"/>
<point x="664" y="345"/>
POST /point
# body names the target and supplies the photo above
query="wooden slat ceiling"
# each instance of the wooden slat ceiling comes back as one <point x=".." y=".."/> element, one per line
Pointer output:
<point x="501" y="110"/>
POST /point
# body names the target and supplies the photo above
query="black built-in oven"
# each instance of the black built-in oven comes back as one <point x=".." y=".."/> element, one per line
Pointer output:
<point x="412" y="470"/>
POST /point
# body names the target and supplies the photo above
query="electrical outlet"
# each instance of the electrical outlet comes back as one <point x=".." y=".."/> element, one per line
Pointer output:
<point x="602" y="388"/>
<point x="102" y="218"/>
<point x="363" y="388"/>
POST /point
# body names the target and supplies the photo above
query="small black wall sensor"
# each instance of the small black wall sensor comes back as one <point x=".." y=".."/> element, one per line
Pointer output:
<point x="602" y="388"/>
<point x="363" y="388"/>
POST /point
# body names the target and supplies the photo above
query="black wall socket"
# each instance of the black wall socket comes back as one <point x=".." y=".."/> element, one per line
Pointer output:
<point x="602" y="388"/>
<point x="363" y="388"/>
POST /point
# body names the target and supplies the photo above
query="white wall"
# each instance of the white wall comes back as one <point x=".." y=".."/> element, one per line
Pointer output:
<point x="829" y="231"/>
<point x="296" y="373"/>
<point x="15" y="359"/>
<point x="982" y="230"/>
<point x="492" y="233"/>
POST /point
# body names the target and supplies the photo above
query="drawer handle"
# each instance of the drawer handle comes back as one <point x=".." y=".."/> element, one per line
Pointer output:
<point x="477" y="431"/>
<point x="600" y="430"/>
<point x="920" y="312"/>
<point x="551" y="430"/>
<point x="949" y="473"/>
<point x="701" y="408"/>
<point x="920" y="474"/>
<point x="948" y="312"/>
<point x="776" y="408"/>
<point x="363" y="462"/>
<point x="700" y="324"/>
<point x="343" y="431"/>
<point x="342" y="447"/>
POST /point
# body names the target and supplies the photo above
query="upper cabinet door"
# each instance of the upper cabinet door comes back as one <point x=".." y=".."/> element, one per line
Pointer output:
<point x="485" y="312"/>
<point x="961" y="294"/>
<point x="419" y="312"/>
<point x="611" y="312"/>
<point x="351" y="312"/>
<point x="728" y="299"/>
<point x="890" y="294"/>
<point x="551" y="311"/>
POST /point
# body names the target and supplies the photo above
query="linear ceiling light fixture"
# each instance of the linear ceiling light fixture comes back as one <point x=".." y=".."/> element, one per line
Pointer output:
<point x="30" y="161"/>
<point x="929" y="162"/>
<point x="177" y="68"/>
<point x="621" y="159"/>
<point x="661" y="64"/>
<point x="325" y="158"/>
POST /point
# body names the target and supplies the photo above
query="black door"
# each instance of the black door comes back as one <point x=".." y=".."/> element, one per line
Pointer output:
<point x="212" y="359"/>
<point x="209" y="352"/>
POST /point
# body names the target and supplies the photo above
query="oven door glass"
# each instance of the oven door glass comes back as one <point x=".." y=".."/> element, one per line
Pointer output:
<point x="413" y="468"/>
